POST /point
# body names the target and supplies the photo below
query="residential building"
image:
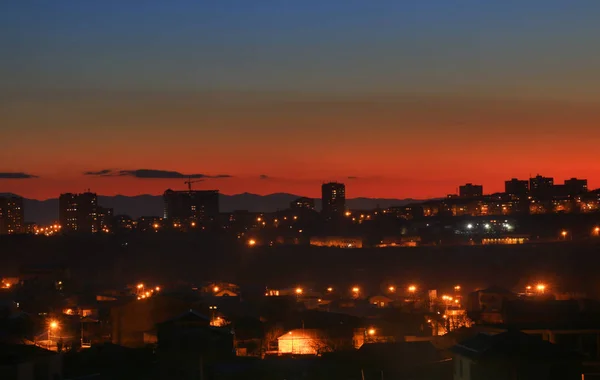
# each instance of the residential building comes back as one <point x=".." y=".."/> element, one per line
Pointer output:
<point x="542" y="187"/>
<point x="516" y="187"/>
<point x="29" y="362"/>
<point x="576" y="186"/>
<point x="333" y="196"/>
<point x="190" y="207"/>
<point x="470" y="191"/>
<point x="303" y="203"/>
<point x="79" y="213"/>
<point x="514" y="355"/>
<point x="11" y="216"/>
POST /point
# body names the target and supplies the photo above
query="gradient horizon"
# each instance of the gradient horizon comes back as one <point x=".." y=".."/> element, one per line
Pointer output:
<point x="410" y="100"/>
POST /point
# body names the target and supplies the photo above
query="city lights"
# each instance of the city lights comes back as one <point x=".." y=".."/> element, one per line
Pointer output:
<point x="412" y="288"/>
<point x="392" y="289"/>
<point x="216" y="289"/>
<point x="299" y="291"/>
<point x="457" y="288"/>
<point x="251" y="242"/>
<point x="371" y="331"/>
<point x="541" y="288"/>
<point x="330" y="289"/>
<point x="355" y="289"/>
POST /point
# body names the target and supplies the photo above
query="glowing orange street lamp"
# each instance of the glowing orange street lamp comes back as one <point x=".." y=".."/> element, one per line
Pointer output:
<point x="299" y="291"/>
<point x="392" y="289"/>
<point x="564" y="234"/>
<point x="371" y="331"/>
<point x="541" y="288"/>
<point x="251" y="242"/>
<point x="457" y="288"/>
<point x="216" y="289"/>
<point x="412" y="289"/>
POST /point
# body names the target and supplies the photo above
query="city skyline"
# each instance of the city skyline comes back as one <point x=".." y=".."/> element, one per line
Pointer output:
<point x="160" y="178"/>
<point x="397" y="100"/>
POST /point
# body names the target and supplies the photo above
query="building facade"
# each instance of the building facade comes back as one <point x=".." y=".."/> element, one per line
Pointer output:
<point x="333" y="196"/>
<point x="11" y="216"/>
<point x="516" y="187"/>
<point x="470" y="191"/>
<point x="190" y="207"/>
<point x="78" y="213"/>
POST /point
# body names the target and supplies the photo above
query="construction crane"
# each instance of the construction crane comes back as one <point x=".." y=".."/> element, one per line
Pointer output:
<point x="189" y="183"/>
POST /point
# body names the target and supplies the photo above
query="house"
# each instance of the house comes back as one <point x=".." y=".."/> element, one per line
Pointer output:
<point x="132" y="321"/>
<point x="380" y="301"/>
<point x="188" y="345"/>
<point x="398" y="360"/>
<point x="486" y="305"/>
<point x="513" y="355"/>
<point x="29" y="362"/>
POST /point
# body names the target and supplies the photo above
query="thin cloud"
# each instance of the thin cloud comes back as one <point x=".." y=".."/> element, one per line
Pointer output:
<point x="16" y="175"/>
<point x="105" y="172"/>
<point x="151" y="174"/>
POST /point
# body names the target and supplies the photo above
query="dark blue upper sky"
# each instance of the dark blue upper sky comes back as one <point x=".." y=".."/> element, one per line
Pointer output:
<point x="538" y="47"/>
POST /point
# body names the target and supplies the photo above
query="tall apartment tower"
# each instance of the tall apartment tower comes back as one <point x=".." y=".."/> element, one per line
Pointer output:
<point x="79" y="213"/>
<point x="11" y="216"/>
<point x="197" y="206"/>
<point x="333" y="197"/>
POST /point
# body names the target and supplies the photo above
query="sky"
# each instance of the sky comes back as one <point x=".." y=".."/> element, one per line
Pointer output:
<point x="397" y="99"/>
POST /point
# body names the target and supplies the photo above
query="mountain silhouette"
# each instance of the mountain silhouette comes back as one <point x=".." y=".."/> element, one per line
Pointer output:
<point x="46" y="211"/>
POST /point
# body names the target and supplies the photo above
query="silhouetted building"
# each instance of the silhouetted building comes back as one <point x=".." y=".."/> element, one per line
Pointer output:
<point x="105" y="218"/>
<point x="541" y="186"/>
<point x="333" y="197"/>
<point x="197" y="206"/>
<point x="576" y="186"/>
<point x="149" y="224"/>
<point x="470" y="191"/>
<point x="516" y="187"/>
<point x="79" y="213"/>
<point x="11" y="216"/>
<point x="303" y="203"/>
<point x="514" y="355"/>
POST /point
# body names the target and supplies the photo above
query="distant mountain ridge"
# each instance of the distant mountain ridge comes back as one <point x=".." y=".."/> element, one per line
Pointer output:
<point x="46" y="211"/>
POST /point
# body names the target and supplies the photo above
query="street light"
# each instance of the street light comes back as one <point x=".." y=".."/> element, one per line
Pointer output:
<point x="299" y="291"/>
<point x="564" y="234"/>
<point x="412" y="289"/>
<point x="392" y="289"/>
<point x="457" y="288"/>
<point x="52" y="325"/>
<point x="541" y="288"/>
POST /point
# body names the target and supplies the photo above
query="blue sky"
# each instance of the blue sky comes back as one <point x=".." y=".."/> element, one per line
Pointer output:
<point x="358" y="46"/>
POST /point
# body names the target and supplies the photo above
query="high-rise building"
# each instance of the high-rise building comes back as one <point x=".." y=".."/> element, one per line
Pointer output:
<point x="303" y="203"/>
<point x="11" y="216"/>
<point x="333" y="196"/>
<point x="541" y="186"/>
<point x="576" y="186"/>
<point x="516" y="187"/>
<point x="79" y="213"/>
<point x="196" y="206"/>
<point x="470" y="191"/>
